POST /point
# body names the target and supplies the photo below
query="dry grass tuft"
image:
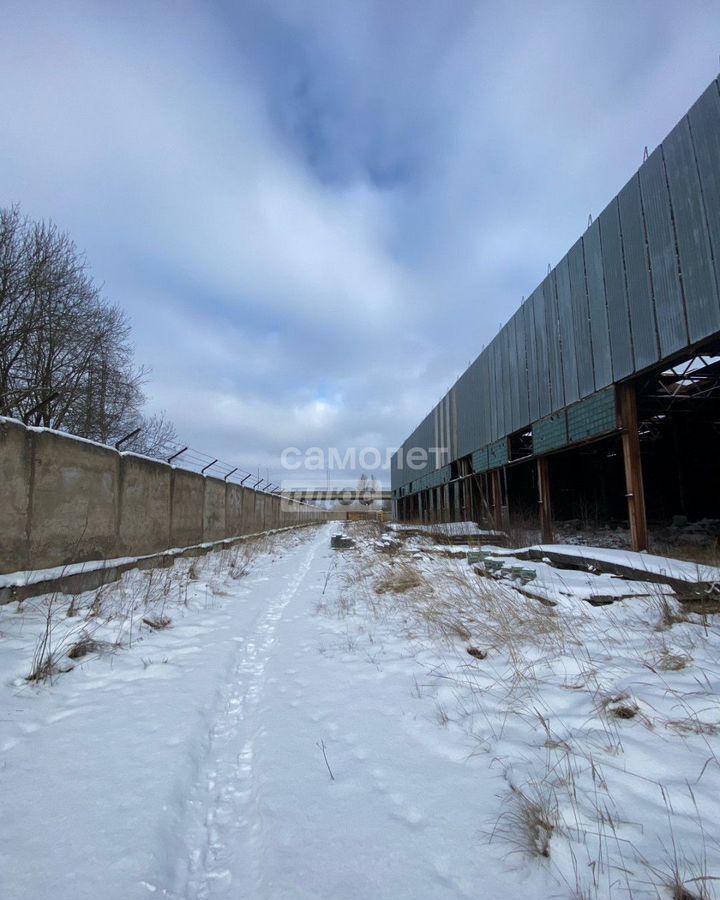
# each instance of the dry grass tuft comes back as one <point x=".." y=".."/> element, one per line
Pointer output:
<point x="687" y="881"/>
<point x="47" y="669"/>
<point x="530" y="821"/>
<point x="692" y="725"/>
<point x="620" y="706"/>
<point x="88" y="644"/>
<point x="240" y="559"/>
<point x="46" y="662"/>
<point x="157" y="623"/>
<point x="669" y="614"/>
<point x="672" y="662"/>
<point x="680" y="892"/>
<point x="398" y="579"/>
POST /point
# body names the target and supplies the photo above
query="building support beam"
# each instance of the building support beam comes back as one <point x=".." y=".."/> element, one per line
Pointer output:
<point x="497" y="499"/>
<point x="545" y="504"/>
<point x="634" y="490"/>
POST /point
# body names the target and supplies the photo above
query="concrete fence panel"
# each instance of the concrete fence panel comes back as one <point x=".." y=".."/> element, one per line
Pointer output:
<point x="73" y="501"/>
<point x="214" y="510"/>
<point x="248" y="511"/>
<point x="15" y="480"/>
<point x="233" y="509"/>
<point x="145" y="499"/>
<point x="187" y="508"/>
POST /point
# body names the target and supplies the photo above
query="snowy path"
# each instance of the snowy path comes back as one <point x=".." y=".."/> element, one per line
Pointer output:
<point x="190" y="766"/>
<point x="269" y="820"/>
<point x="226" y="800"/>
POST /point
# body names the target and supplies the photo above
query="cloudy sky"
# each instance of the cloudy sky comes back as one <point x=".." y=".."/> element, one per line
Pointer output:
<point x="316" y="213"/>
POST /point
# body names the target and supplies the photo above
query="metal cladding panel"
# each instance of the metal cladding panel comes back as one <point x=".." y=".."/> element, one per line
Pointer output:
<point x="705" y="126"/>
<point x="469" y="410"/>
<point x="563" y="318"/>
<point x="522" y="336"/>
<point x="490" y="375"/>
<point x="514" y="383"/>
<point x="423" y="441"/>
<point x="440" y="413"/>
<point x="465" y="419"/>
<point x="428" y="441"/>
<point x="505" y="385"/>
<point x="394" y="479"/>
<point x="669" y="306"/>
<point x="452" y="423"/>
<point x="696" y="263"/>
<point x="505" y="379"/>
<point x="600" y="335"/>
<point x="552" y="339"/>
<point x="519" y="363"/>
<point x="400" y="468"/>
<point x="543" y="361"/>
<point x="615" y="294"/>
<point x="637" y="276"/>
<point x="444" y="435"/>
<point x="479" y="410"/>
<point x="480" y="403"/>
<point x="531" y="355"/>
<point x="444" y="406"/>
<point x="411" y="445"/>
<point x="495" y="418"/>
<point x="511" y="383"/>
<point x="440" y="459"/>
<point x="664" y="262"/>
<point x="486" y="372"/>
<point x="492" y="405"/>
<point x="501" y="385"/>
<point x="581" y="319"/>
<point x="482" y="413"/>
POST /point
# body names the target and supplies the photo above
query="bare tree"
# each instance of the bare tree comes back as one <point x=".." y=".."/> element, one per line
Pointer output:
<point x="157" y="437"/>
<point x="66" y="359"/>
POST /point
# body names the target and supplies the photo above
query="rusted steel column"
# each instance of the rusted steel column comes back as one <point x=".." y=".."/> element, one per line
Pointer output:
<point x="635" y="491"/>
<point x="546" y="517"/>
<point x="497" y="498"/>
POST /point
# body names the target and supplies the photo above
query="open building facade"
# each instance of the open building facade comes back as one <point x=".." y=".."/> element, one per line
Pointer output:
<point x="600" y="399"/>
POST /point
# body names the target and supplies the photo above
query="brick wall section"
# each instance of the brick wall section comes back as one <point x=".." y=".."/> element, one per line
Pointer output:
<point x="480" y="461"/>
<point x="498" y="453"/>
<point x="550" y="433"/>
<point x="593" y="416"/>
<point x="589" y="418"/>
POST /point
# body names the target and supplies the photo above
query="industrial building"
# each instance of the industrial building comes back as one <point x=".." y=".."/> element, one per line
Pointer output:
<point x="600" y="398"/>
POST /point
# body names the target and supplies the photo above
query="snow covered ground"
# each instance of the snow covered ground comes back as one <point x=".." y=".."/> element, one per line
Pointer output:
<point x="639" y="562"/>
<point x="287" y="721"/>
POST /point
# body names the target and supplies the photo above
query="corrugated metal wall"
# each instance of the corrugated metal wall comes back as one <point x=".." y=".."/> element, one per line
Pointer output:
<point x="641" y="284"/>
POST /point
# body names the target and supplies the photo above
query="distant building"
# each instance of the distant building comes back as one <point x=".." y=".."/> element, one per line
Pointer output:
<point x="600" y="399"/>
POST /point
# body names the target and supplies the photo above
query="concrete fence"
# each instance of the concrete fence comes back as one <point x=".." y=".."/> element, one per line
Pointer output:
<point x="65" y="500"/>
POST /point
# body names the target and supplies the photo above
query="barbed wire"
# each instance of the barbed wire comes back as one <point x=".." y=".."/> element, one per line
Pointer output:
<point x="183" y="456"/>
